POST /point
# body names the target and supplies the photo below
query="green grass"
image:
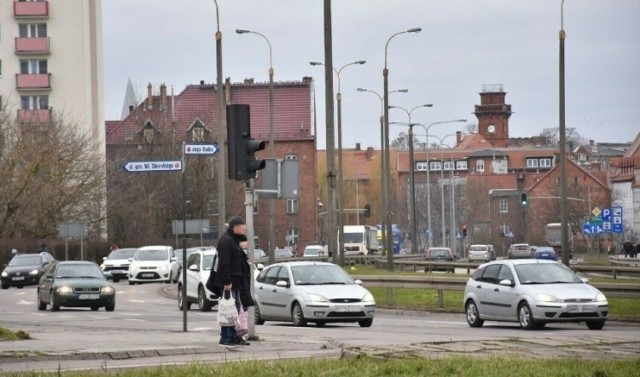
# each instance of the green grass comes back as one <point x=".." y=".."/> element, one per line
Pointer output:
<point x="382" y="367"/>
<point x="10" y="335"/>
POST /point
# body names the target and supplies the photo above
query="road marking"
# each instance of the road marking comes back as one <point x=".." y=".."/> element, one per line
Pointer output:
<point x="23" y="302"/>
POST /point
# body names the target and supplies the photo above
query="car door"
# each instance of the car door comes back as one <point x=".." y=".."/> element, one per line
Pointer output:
<point x="266" y="290"/>
<point x="46" y="281"/>
<point x="485" y="290"/>
<point x="504" y="296"/>
<point x="192" y="276"/>
<point x="282" y="295"/>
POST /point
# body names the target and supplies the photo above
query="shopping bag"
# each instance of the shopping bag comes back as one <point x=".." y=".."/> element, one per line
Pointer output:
<point x="227" y="312"/>
<point x="242" y="327"/>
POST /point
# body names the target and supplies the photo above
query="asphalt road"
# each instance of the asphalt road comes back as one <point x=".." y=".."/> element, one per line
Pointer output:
<point x="146" y="329"/>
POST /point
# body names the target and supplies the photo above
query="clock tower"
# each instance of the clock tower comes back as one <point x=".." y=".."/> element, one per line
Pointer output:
<point x="493" y="115"/>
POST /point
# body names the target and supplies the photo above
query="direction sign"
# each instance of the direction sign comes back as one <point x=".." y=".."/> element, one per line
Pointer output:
<point x="200" y="149"/>
<point x="151" y="166"/>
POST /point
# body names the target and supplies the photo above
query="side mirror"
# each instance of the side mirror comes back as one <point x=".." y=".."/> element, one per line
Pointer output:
<point x="585" y="280"/>
<point x="194" y="267"/>
<point x="507" y="283"/>
<point x="358" y="281"/>
<point x="104" y="258"/>
<point x="130" y="259"/>
<point x="173" y="259"/>
<point x="260" y="266"/>
<point x="282" y="283"/>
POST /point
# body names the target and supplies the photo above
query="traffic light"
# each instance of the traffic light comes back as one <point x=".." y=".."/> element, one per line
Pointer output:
<point x="367" y="210"/>
<point x="242" y="148"/>
<point x="464" y="230"/>
<point x="523" y="199"/>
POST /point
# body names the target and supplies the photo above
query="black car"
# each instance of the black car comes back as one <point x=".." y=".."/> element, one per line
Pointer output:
<point x="25" y="269"/>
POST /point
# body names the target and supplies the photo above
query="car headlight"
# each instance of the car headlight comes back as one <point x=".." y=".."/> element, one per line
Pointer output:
<point x="107" y="289"/>
<point x="317" y="297"/>
<point x="34" y="272"/>
<point x="64" y="289"/>
<point x="601" y="297"/>
<point x="546" y="297"/>
<point x="368" y="297"/>
<point x="4" y="274"/>
<point x="102" y="267"/>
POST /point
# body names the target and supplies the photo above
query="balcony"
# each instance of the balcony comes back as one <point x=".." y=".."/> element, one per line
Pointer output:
<point x="34" y="116"/>
<point x="33" y="81"/>
<point x="31" y="9"/>
<point x="32" y="46"/>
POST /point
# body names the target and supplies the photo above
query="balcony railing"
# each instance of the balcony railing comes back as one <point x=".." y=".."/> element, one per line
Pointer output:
<point x="32" y="45"/>
<point x="31" y="9"/>
<point x="34" y="116"/>
<point x="33" y="81"/>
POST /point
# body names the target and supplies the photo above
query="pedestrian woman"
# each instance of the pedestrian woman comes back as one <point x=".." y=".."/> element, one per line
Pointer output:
<point x="230" y="274"/>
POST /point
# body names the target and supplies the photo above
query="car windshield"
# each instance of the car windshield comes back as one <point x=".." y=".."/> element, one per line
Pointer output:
<point x="545" y="273"/>
<point x="353" y="237"/>
<point x="478" y="248"/>
<point x="439" y="253"/>
<point x="520" y="247"/>
<point x="87" y="271"/>
<point x="312" y="250"/>
<point x="25" y="260"/>
<point x="122" y="254"/>
<point x="282" y="253"/>
<point x="258" y="253"/>
<point x="320" y="275"/>
<point x="151" y="255"/>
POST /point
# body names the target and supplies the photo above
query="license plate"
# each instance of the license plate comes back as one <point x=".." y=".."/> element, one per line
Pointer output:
<point x="17" y="278"/>
<point x="581" y="308"/>
<point x="88" y="297"/>
<point x="147" y="275"/>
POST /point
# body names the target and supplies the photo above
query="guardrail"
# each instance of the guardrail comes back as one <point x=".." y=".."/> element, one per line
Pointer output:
<point x="441" y="284"/>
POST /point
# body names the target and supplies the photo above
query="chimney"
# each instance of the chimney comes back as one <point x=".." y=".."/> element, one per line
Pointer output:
<point x="201" y="82"/>
<point x="249" y="81"/>
<point x="369" y="153"/>
<point x="594" y="146"/>
<point x="227" y="91"/>
<point x="458" y="137"/>
<point x="357" y="146"/>
<point x="163" y="96"/>
<point x="149" y="97"/>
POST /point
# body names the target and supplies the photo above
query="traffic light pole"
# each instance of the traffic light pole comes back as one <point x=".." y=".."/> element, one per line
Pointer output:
<point x="249" y="193"/>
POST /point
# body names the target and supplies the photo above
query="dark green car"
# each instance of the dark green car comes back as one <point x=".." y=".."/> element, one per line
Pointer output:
<point x="75" y="284"/>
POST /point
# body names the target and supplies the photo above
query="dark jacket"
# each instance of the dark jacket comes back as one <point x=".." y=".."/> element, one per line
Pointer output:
<point x="245" y="292"/>
<point x="229" y="261"/>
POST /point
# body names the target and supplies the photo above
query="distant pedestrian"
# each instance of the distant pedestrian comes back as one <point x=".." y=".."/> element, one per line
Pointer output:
<point x="44" y="249"/>
<point x="113" y="246"/>
<point x="636" y="251"/>
<point x="628" y="249"/>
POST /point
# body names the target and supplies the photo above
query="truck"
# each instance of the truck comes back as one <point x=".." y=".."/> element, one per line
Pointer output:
<point x="397" y="236"/>
<point x="360" y="240"/>
<point x="553" y="237"/>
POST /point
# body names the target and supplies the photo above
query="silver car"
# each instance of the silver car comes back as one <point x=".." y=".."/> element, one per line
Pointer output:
<point x="532" y="292"/>
<point x="307" y="291"/>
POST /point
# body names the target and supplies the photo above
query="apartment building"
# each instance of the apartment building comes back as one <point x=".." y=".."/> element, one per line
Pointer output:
<point x="51" y="63"/>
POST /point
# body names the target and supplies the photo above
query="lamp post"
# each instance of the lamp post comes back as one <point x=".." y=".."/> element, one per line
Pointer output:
<point x="412" y="195"/>
<point x="426" y="131"/>
<point x="220" y="103"/>
<point x="340" y="191"/>
<point x="271" y="152"/>
<point x="385" y="172"/>
<point x="382" y="150"/>
<point x="564" y="235"/>
<point x="443" y="225"/>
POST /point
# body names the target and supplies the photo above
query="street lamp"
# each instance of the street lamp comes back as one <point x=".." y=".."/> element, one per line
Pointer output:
<point x="412" y="195"/>
<point x="382" y="150"/>
<point x="340" y="190"/>
<point x="443" y="227"/>
<point x="222" y="216"/>
<point x="564" y="235"/>
<point x="426" y="131"/>
<point x="387" y="178"/>
<point x="271" y="152"/>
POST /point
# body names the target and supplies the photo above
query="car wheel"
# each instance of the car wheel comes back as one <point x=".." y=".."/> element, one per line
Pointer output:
<point x="473" y="315"/>
<point x="41" y="304"/>
<point x="525" y="317"/>
<point x="297" y="316"/>
<point x="5" y="285"/>
<point x="366" y="322"/>
<point x="131" y="282"/>
<point x="595" y="325"/>
<point x="95" y="308"/>
<point x="110" y="306"/>
<point x="116" y="280"/>
<point x="52" y="300"/>
<point x="181" y="300"/>
<point x="203" y="303"/>
<point x="321" y="323"/>
<point x="258" y="319"/>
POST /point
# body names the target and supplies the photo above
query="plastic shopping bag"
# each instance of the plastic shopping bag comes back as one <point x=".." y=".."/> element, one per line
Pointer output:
<point x="242" y="327"/>
<point x="227" y="312"/>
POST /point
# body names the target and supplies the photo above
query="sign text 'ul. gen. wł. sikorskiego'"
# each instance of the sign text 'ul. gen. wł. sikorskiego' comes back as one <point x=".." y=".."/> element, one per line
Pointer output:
<point x="151" y="166"/>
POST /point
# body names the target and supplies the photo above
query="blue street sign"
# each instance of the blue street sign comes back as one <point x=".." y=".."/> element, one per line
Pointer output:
<point x="151" y="166"/>
<point x="616" y="220"/>
<point x="606" y="214"/>
<point x="458" y="234"/>
<point x="588" y="228"/>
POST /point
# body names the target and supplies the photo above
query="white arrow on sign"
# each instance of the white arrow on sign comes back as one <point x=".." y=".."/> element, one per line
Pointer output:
<point x="200" y="148"/>
<point x="150" y="166"/>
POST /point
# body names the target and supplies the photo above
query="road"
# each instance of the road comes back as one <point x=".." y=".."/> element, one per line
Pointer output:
<point x="146" y="319"/>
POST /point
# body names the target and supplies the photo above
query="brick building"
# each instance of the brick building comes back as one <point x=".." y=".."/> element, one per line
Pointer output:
<point x="156" y="128"/>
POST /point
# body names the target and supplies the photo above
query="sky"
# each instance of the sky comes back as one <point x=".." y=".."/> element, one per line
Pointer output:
<point x="463" y="45"/>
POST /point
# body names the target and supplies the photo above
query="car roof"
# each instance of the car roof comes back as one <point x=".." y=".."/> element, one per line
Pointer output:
<point x="302" y="263"/>
<point x="69" y="262"/>
<point x="155" y="247"/>
<point x="515" y="262"/>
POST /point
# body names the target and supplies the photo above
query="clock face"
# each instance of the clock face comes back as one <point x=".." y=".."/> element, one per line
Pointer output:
<point x="491" y="128"/>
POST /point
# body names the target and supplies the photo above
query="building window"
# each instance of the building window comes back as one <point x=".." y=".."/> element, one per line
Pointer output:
<point x="448" y="165"/>
<point x="504" y="230"/>
<point x="582" y="157"/>
<point x="422" y="166"/>
<point x="504" y="205"/>
<point x="461" y="165"/>
<point x="33" y="66"/>
<point x="292" y="236"/>
<point x="480" y="166"/>
<point x="545" y="162"/>
<point x="291" y="157"/>
<point x="34" y="102"/>
<point x="292" y="206"/>
<point x="435" y="165"/>
<point x="33" y="30"/>
<point x="532" y="162"/>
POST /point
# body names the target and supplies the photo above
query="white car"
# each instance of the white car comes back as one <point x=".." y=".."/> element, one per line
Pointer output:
<point x="116" y="265"/>
<point x="314" y="251"/>
<point x="152" y="264"/>
<point x="198" y="269"/>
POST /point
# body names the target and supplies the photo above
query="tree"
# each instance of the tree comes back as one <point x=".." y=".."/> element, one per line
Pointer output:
<point x="51" y="174"/>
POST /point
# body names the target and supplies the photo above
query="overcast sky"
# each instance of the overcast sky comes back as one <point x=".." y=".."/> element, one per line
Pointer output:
<point x="463" y="45"/>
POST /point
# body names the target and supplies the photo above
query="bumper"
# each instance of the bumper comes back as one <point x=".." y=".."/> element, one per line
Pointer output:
<point x="149" y="276"/>
<point x="570" y="312"/>
<point x="20" y="281"/>
<point x="118" y="274"/>
<point x="84" y="300"/>
<point x="336" y="312"/>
